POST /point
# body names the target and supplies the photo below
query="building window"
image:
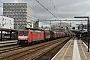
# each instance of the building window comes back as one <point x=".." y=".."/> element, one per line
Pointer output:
<point x="2" y="25"/>
<point x="5" y="23"/>
<point x="3" y="19"/>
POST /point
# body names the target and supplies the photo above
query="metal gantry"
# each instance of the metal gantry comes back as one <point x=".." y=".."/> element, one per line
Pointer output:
<point x="60" y="21"/>
<point x="88" y="27"/>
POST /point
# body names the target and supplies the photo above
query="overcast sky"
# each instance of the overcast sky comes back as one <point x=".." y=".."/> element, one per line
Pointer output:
<point x="64" y="9"/>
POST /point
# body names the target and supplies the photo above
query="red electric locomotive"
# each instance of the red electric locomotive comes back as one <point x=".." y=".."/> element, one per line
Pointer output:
<point x="28" y="36"/>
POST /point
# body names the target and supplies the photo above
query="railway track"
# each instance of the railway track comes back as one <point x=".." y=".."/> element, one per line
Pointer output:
<point x="8" y="49"/>
<point x="32" y="52"/>
<point x="49" y="55"/>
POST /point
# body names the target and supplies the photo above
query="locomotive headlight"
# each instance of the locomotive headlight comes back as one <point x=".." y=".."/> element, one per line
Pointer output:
<point x="18" y="41"/>
<point x="23" y="37"/>
<point x="26" y="41"/>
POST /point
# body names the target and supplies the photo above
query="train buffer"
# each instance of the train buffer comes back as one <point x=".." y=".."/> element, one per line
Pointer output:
<point x="73" y="50"/>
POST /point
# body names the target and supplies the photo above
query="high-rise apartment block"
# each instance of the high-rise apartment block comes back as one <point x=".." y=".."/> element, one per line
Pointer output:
<point x="21" y="12"/>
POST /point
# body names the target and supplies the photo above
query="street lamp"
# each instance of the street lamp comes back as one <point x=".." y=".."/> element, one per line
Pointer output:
<point x="87" y="28"/>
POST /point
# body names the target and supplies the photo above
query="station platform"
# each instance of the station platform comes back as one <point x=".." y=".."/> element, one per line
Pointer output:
<point x="9" y="42"/>
<point x="73" y="50"/>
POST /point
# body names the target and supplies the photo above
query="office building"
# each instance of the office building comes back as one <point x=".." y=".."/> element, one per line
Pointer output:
<point x="21" y="12"/>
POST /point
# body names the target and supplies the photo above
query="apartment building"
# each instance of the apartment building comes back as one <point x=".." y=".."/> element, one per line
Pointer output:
<point x="6" y="22"/>
<point x="21" y="12"/>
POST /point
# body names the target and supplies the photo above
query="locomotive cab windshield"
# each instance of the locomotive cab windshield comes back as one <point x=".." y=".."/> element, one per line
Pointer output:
<point x="23" y="32"/>
<point x="23" y="36"/>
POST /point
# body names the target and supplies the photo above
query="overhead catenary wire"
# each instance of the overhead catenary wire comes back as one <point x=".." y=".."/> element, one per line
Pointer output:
<point x="56" y="9"/>
<point x="47" y="10"/>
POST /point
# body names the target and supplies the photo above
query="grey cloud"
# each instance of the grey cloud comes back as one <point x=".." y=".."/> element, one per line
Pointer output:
<point x="66" y="8"/>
